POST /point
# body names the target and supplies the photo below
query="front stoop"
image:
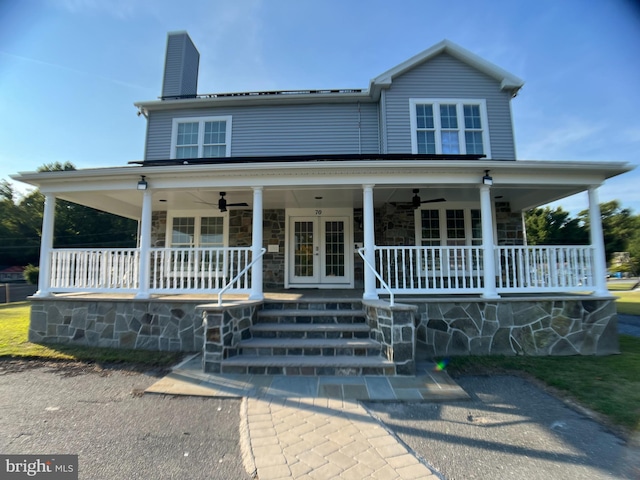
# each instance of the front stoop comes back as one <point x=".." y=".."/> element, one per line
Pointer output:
<point x="307" y="338"/>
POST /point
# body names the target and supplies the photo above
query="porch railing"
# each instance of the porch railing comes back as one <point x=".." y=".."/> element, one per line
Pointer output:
<point x="432" y="269"/>
<point x="544" y="268"/>
<point x="459" y="269"/>
<point x="94" y="270"/>
<point x="173" y="270"/>
<point x="199" y="270"/>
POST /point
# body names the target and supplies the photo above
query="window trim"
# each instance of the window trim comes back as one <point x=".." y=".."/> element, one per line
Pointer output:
<point x="442" y="215"/>
<point x="459" y="102"/>
<point x="201" y="121"/>
<point x="197" y="215"/>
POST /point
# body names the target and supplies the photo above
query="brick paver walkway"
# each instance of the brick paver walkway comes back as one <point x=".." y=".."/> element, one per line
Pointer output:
<point x="323" y="438"/>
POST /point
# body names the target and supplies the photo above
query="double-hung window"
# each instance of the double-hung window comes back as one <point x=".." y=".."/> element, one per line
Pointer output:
<point x="447" y="229"/>
<point x="197" y="244"/>
<point x="449" y="126"/>
<point x="199" y="231"/>
<point x="201" y="137"/>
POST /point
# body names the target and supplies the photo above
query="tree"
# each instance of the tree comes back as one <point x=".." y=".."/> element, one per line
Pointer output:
<point x="618" y="226"/>
<point x="554" y="227"/>
<point x="74" y="225"/>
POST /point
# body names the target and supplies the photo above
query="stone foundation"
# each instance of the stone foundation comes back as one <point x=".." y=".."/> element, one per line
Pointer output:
<point x="133" y="324"/>
<point x="224" y="327"/>
<point x="394" y="328"/>
<point x="509" y="326"/>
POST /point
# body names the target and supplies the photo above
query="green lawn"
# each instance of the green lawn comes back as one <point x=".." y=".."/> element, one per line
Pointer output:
<point x="14" y="325"/>
<point x="628" y="302"/>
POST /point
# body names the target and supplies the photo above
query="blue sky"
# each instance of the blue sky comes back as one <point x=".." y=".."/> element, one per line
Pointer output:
<point x="70" y="70"/>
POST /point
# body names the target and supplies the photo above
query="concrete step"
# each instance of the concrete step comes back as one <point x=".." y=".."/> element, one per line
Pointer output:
<point x="309" y="346"/>
<point x="307" y="365"/>
<point x="311" y="316"/>
<point x="310" y="330"/>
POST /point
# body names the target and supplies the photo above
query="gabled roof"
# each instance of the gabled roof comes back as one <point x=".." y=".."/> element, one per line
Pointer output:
<point x="506" y="79"/>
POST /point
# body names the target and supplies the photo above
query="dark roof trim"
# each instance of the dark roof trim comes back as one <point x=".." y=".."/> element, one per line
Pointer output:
<point x="266" y="93"/>
<point x="304" y="158"/>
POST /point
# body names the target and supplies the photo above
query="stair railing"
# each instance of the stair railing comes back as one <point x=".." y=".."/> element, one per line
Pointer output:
<point x="235" y="279"/>
<point x="382" y="282"/>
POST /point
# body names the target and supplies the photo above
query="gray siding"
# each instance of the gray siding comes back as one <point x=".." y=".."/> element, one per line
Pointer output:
<point x="280" y="130"/>
<point x="446" y="77"/>
<point x="180" y="67"/>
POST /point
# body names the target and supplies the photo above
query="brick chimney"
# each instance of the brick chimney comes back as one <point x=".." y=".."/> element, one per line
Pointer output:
<point x="180" y="67"/>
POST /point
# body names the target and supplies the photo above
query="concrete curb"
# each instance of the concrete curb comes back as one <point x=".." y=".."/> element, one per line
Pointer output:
<point x="248" y="460"/>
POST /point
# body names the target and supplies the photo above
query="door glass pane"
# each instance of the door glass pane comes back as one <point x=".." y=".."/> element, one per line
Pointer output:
<point x="430" y="228"/>
<point x="334" y="249"/>
<point x="476" y="228"/>
<point x="303" y="249"/>
<point x="455" y="227"/>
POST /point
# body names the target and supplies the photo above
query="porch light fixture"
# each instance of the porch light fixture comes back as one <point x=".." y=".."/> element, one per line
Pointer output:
<point x="142" y="183"/>
<point x="487" y="179"/>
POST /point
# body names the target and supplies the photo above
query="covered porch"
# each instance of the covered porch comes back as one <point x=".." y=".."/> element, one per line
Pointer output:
<point x="414" y="226"/>
<point x="429" y="253"/>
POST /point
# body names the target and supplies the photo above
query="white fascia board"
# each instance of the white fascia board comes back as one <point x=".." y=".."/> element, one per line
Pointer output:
<point x="504" y="173"/>
<point x="508" y="80"/>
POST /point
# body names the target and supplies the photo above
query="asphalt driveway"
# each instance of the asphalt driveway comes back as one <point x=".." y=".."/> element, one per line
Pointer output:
<point x="510" y="429"/>
<point x="117" y="433"/>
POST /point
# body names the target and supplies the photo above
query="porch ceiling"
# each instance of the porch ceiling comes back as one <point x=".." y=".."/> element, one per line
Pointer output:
<point x="129" y="203"/>
<point x="524" y="184"/>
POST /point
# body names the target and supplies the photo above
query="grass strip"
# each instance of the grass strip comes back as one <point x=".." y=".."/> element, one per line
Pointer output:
<point x="14" y="327"/>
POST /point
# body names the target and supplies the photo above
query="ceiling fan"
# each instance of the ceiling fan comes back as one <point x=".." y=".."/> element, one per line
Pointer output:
<point x="222" y="203"/>
<point x="416" y="201"/>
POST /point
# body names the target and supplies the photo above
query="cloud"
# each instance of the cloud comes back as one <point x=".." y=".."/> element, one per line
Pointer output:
<point x="568" y="139"/>
<point x="73" y="70"/>
<point x="120" y="9"/>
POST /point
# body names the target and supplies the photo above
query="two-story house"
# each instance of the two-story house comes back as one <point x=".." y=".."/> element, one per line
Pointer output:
<point x="404" y="199"/>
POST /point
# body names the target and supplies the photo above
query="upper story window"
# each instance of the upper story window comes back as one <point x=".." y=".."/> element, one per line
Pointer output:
<point x="202" y="137"/>
<point x="449" y="126"/>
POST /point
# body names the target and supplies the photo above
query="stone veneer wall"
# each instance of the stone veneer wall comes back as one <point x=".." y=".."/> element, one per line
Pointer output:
<point x="395" y="225"/>
<point x="552" y="326"/>
<point x="136" y="324"/>
<point x="224" y="327"/>
<point x="273" y="221"/>
<point x="394" y="328"/>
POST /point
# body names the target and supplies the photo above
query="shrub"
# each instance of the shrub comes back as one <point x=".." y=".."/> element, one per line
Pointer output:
<point x="31" y="274"/>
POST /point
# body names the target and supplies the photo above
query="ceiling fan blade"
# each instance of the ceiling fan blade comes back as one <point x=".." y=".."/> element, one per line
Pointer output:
<point x="434" y="200"/>
<point x="243" y="204"/>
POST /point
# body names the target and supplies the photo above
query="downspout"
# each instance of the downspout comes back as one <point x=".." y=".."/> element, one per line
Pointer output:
<point x="383" y="121"/>
<point x="359" y="130"/>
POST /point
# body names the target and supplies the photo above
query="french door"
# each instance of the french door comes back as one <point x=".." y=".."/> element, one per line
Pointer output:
<point x="320" y="253"/>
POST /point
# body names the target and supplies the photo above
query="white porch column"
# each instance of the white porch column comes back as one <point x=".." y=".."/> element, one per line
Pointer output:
<point x="46" y="245"/>
<point x="597" y="243"/>
<point x="369" y="243"/>
<point x="256" y="246"/>
<point x="145" y="244"/>
<point x="488" y="246"/>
